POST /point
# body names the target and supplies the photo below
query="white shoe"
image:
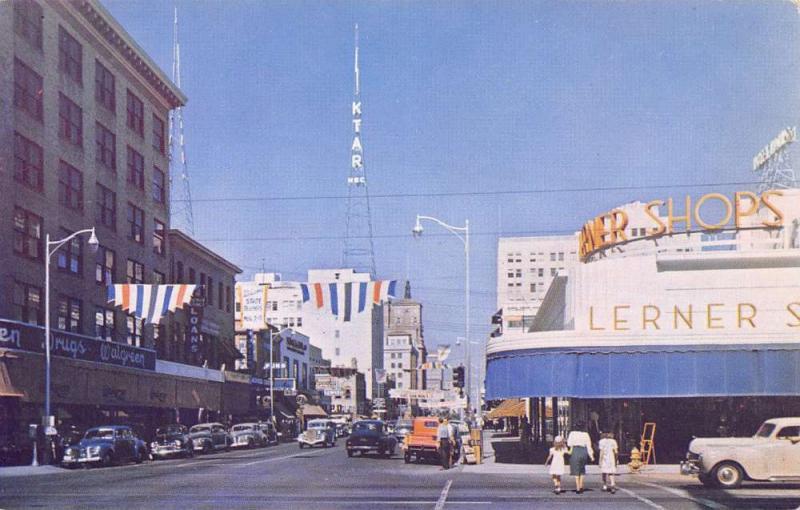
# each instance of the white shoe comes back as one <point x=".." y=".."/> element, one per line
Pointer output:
<point x="605" y="488"/>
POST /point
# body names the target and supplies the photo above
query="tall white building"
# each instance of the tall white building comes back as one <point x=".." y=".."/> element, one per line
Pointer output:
<point x="404" y="345"/>
<point x="349" y="341"/>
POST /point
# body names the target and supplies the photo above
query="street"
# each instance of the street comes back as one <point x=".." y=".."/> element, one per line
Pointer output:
<point x="286" y="477"/>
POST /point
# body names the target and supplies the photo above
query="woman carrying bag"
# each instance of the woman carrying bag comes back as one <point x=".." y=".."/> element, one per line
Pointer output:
<point x="580" y="451"/>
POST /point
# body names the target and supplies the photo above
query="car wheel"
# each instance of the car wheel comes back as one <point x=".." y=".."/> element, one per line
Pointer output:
<point x="139" y="458"/>
<point x="407" y="458"/>
<point x="728" y="475"/>
<point x="106" y="459"/>
<point x="706" y="480"/>
<point x="300" y="445"/>
<point x="349" y="453"/>
<point x="206" y="447"/>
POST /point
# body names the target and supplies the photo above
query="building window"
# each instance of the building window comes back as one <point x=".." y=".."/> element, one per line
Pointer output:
<point x="105" y="147"/>
<point x="27" y="234"/>
<point x="28" y="21"/>
<point x="135" y="326"/>
<point x="135" y="168"/>
<point x="210" y="291"/>
<point x="533" y="287"/>
<point x="105" y="263"/>
<point x="338" y="351"/>
<point x="135" y="224"/>
<point x="106" y="201"/>
<point x="229" y="298"/>
<point x="159" y="186"/>
<point x="28" y="90"/>
<point x="220" y="297"/>
<point x="192" y="275"/>
<point x="135" y="111"/>
<point x="68" y="314"/>
<point x="27" y="303"/>
<point x="159" y="278"/>
<point x="179" y="272"/>
<point x="70" y="56"/>
<point x="299" y="322"/>
<point x="159" y="231"/>
<point x="70" y="120"/>
<point x="134" y="272"/>
<point x="70" y="257"/>
<point x="541" y="272"/>
<point x="28" y="163"/>
<point x="159" y="135"/>
<point x="104" y="92"/>
<point x="104" y="324"/>
<point x="70" y="186"/>
<point x="287" y="367"/>
<point x="561" y="255"/>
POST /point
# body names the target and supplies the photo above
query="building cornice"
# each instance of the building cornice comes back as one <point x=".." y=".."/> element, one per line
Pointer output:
<point x="121" y="41"/>
<point x="175" y="235"/>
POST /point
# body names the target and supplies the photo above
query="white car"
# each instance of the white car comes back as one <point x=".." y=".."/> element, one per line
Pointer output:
<point x="318" y="432"/>
<point x="248" y="435"/>
<point x="772" y="454"/>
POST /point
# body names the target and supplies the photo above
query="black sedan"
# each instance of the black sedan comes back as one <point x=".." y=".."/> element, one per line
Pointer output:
<point x="371" y="436"/>
<point x="172" y="440"/>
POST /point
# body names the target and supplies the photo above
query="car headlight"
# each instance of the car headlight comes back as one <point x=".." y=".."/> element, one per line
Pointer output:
<point x="93" y="450"/>
<point x="153" y="445"/>
<point x="178" y="443"/>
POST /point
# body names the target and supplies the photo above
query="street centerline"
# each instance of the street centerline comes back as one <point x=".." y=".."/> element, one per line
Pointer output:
<point x="678" y="492"/>
<point x="443" y="496"/>
<point x="640" y="498"/>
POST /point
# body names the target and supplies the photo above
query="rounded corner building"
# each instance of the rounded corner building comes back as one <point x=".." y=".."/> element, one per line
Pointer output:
<point x="683" y="312"/>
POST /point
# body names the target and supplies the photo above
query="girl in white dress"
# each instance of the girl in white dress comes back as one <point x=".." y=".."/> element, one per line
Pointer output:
<point x="608" y="461"/>
<point x="557" y="464"/>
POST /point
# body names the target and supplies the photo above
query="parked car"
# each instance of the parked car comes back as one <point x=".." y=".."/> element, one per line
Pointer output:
<point x="342" y="428"/>
<point x="772" y="454"/>
<point x="247" y="435"/>
<point x="422" y="442"/>
<point x="318" y="432"/>
<point x="371" y="436"/>
<point x="269" y="430"/>
<point x="208" y="437"/>
<point x="105" y="446"/>
<point x="401" y="429"/>
<point x="172" y="440"/>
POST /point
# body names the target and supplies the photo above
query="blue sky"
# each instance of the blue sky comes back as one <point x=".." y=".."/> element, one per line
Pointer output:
<point x="462" y="97"/>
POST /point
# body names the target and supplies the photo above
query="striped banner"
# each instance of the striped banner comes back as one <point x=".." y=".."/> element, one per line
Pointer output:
<point x="334" y="298"/>
<point x="341" y="296"/>
<point x="348" y="300"/>
<point x="150" y="302"/>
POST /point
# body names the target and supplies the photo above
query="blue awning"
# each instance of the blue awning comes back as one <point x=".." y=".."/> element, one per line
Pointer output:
<point x="646" y="371"/>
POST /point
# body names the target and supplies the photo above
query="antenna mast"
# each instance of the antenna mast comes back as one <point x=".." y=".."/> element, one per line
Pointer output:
<point x="180" y="194"/>
<point x="359" y="250"/>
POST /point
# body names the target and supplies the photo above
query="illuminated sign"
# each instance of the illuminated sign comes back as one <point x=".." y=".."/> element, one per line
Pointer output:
<point x="608" y="229"/>
<point x="784" y="138"/>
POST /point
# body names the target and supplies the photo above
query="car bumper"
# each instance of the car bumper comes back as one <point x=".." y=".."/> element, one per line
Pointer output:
<point x="363" y="448"/>
<point x="80" y="460"/>
<point x="311" y="443"/>
<point x="691" y="467"/>
<point x="166" y="451"/>
<point x="242" y="443"/>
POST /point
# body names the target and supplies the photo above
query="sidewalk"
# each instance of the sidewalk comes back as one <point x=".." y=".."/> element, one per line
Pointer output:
<point x="491" y="466"/>
<point x="9" y="471"/>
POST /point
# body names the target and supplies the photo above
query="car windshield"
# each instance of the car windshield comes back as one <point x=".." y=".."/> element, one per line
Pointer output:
<point x="765" y="430"/>
<point x="366" y="427"/>
<point x="99" y="434"/>
<point x="201" y="428"/>
<point x="239" y="428"/>
<point x="405" y="425"/>
<point x="169" y="429"/>
<point x="316" y="425"/>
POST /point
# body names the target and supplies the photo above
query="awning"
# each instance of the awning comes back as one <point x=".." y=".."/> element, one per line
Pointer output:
<point x="7" y="389"/>
<point x="230" y="350"/>
<point x="312" y="410"/>
<point x="646" y="371"/>
<point x="511" y="408"/>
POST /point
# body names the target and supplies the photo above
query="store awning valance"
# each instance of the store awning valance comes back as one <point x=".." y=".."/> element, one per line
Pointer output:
<point x="646" y="371"/>
<point x="309" y="410"/>
<point x="511" y="408"/>
<point x="7" y="388"/>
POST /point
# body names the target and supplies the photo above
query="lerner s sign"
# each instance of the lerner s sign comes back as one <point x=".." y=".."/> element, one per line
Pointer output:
<point x="608" y="229"/>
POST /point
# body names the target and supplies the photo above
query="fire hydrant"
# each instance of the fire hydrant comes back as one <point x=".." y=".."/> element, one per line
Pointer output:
<point x="636" y="460"/>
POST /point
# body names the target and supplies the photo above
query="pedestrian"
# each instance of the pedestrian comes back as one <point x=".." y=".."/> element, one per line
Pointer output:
<point x="443" y="434"/>
<point x="557" y="464"/>
<point x="608" y="451"/>
<point x="580" y="452"/>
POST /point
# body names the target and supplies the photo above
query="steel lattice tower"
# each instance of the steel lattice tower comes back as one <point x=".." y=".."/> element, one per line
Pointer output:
<point x="774" y="162"/>
<point x="359" y="250"/>
<point x="180" y="192"/>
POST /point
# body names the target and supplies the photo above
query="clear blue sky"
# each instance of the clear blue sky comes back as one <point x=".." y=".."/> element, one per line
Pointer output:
<point x="462" y="97"/>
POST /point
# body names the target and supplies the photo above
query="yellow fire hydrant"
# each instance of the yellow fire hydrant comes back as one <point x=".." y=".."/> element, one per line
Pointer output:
<point x="636" y="460"/>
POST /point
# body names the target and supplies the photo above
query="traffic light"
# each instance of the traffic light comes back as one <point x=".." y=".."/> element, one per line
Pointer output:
<point x="458" y="377"/>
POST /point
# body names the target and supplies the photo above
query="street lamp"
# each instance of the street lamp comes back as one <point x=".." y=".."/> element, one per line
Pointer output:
<point x="93" y="245"/>
<point x="462" y="233"/>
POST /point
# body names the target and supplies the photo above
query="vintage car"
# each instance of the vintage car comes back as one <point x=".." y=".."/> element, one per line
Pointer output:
<point x="401" y="429"/>
<point x="371" y="436"/>
<point x="422" y="441"/>
<point x="248" y="435"/>
<point x="208" y="437"/>
<point x="318" y="432"/>
<point x="342" y="427"/>
<point x="171" y="440"/>
<point x="772" y="454"/>
<point x="105" y="446"/>
<point x="269" y="431"/>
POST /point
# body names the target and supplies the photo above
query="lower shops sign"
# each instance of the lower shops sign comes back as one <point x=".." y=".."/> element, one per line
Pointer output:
<point x="26" y="337"/>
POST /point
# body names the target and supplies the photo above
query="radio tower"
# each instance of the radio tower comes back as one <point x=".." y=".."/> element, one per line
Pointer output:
<point x="180" y="192"/>
<point x="359" y="251"/>
<point x="774" y="162"/>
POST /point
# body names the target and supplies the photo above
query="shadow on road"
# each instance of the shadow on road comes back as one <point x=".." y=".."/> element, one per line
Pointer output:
<point x="743" y="498"/>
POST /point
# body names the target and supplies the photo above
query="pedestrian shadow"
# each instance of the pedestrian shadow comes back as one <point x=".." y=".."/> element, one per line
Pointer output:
<point x="740" y="498"/>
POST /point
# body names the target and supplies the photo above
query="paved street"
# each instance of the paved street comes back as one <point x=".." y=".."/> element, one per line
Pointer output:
<point x="286" y="477"/>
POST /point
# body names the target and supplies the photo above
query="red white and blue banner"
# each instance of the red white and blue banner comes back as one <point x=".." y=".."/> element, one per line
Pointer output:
<point x="345" y="299"/>
<point x="150" y="302"/>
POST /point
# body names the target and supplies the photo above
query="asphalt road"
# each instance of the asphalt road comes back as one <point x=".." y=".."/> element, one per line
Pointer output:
<point x="286" y="477"/>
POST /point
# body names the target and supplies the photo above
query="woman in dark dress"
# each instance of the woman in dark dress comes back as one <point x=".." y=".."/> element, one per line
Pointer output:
<point x="580" y="452"/>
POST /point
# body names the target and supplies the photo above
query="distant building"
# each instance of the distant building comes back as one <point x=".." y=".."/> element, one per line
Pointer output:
<point x="404" y="344"/>
<point x="346" y="388"/>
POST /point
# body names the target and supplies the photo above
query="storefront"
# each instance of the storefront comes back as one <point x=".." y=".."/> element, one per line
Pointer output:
<point x="690" y="320"/>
